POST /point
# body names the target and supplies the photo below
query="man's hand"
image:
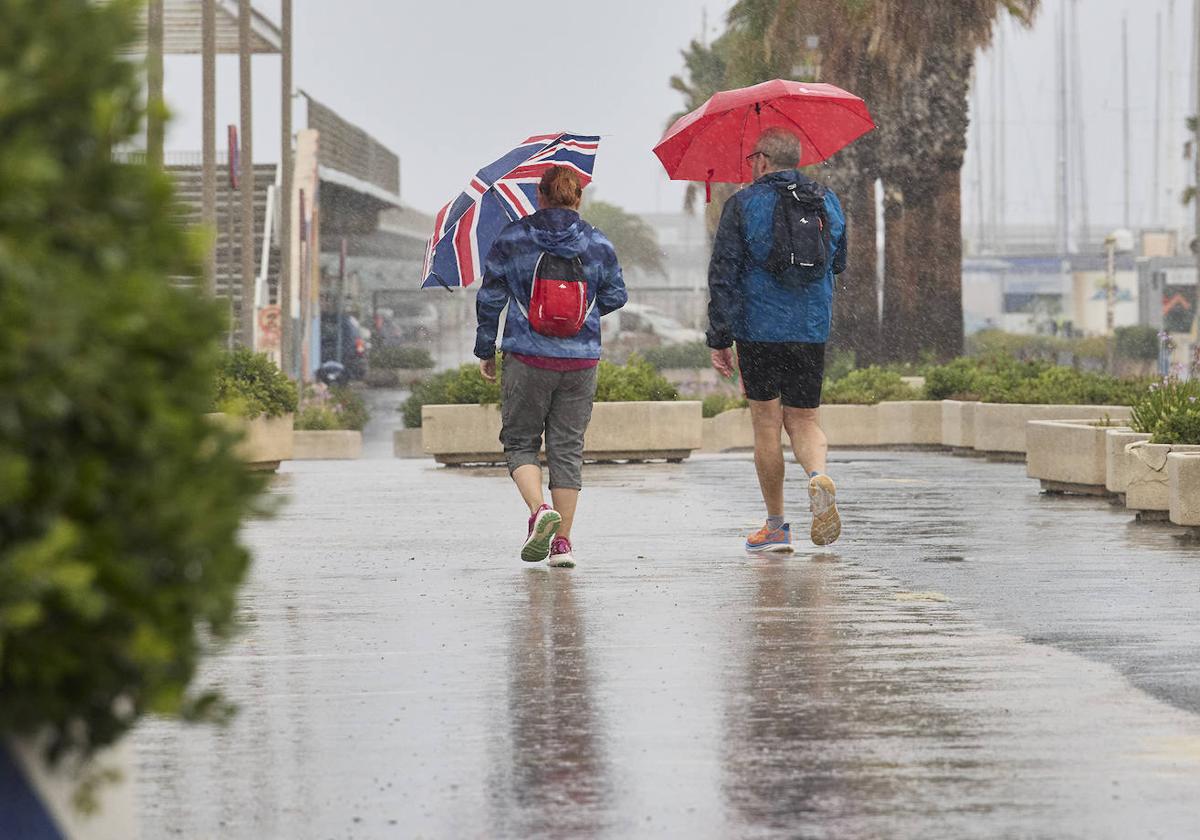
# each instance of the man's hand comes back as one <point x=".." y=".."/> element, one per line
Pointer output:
<point x="722" y="362"/>
<point x="487" y="369"/>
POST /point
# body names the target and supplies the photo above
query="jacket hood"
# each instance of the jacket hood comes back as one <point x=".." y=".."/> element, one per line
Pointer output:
<point x="560" y="232"/>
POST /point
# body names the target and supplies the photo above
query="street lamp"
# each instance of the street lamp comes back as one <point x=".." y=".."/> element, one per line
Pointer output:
<point x="1119" y="241"/>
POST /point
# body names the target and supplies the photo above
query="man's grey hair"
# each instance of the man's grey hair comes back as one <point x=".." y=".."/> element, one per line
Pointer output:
<point x="781" y="147"/>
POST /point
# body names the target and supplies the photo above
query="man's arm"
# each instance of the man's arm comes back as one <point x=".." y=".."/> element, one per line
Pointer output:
<point x="490" y="301"/>
<point x="724" y="276"/>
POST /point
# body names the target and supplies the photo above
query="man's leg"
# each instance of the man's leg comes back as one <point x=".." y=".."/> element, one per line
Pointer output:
<point x="808" y="438"/>
<point x="767" y="418"/>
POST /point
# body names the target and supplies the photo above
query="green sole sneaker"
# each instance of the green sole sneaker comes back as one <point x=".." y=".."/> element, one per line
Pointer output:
<point x="541" y="534"/>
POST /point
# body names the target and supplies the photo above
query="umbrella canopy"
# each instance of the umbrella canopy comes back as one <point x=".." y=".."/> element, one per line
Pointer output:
<point x="502" y="192"/>
<point x="712" y="142"/>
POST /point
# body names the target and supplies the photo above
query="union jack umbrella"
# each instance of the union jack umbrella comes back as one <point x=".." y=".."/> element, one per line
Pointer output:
<point x="500" y="193"/>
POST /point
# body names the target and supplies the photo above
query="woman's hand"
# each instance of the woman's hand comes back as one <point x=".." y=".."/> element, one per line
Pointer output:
<point x="722" y="361"/>
<point x="487" y="369"/>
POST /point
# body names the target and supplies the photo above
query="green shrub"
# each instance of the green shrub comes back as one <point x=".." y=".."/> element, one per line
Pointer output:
<point x="635" y="381"/>
<point x="1162" y="399"/>
<point x="715" y="404"/>
<point x="838" y="363"/>
<point x="120" y="502"/>
<point x="250" y="385"/>
<point x="693" y="355"/>
<point x="1139" y="342"/>
<point x="401" y="358"/>
<point x="868" y="386"/>
<point x="1179" y="427"/>
<point x="332" y="409"/>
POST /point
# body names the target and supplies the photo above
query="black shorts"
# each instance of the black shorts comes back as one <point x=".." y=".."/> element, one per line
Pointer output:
<point x="791" y="372"/>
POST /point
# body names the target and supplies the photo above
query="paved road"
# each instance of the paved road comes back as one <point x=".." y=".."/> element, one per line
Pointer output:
<point x="974" y="660"/>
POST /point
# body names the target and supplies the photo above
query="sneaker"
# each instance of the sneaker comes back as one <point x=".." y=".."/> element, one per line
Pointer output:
<point x="560" y="554"/>
<point x="543" y="525"/>
<point x="827" y="523"/>
<point x="765" y="539"/>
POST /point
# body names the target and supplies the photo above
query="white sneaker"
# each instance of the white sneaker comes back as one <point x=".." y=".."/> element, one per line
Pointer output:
<point x="822" y="498"/>
<point x="561" y="556"/>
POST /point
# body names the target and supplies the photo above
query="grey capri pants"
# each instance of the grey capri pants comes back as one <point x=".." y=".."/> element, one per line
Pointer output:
<point x="557" y="404"/>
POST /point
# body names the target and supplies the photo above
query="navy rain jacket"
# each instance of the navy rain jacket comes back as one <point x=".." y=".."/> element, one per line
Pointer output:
<point x="745" y="302"/>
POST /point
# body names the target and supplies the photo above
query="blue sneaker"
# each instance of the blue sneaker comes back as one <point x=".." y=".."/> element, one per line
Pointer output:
<point x="765" y="539"/>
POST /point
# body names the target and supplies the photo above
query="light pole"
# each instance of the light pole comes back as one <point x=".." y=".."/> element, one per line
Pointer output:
<point x="285" y="203"/>
<point x="208" y="156"/>
<point x="246" y="179"/>
<point x="154" y="83"/>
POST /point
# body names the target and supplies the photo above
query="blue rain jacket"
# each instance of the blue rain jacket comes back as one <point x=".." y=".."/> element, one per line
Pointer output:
<point x="745" y="302"/>
<point x="508" y="274"/>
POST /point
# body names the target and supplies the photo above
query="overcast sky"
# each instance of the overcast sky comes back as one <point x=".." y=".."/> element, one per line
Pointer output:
<point x="451" y="85"/>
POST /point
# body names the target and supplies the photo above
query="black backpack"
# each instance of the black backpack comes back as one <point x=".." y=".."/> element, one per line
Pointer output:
<point x="799" y="235"/>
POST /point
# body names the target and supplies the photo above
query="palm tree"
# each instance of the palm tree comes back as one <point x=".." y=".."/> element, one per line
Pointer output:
<point x="634" y="240"/>
<point x="912" y="62"/>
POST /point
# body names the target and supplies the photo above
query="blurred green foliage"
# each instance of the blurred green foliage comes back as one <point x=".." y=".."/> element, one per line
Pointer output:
<point x="401" y="358"/>
<point x="868" y="386"/>
<point x="1003" y="379"/>
<point x="332" y="409"/>
<point x="1179" y="427"/>
<point x="1137" y="342"/>
<point x="120" y="503"/>
<point x="250" y="385"/>
<point x="715" y="404"/>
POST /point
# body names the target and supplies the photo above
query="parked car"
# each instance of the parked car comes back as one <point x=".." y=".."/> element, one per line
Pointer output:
<point x="413" y="321"/>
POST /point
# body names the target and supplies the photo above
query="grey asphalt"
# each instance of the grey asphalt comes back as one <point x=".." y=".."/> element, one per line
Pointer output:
<point x="972" y="660"/>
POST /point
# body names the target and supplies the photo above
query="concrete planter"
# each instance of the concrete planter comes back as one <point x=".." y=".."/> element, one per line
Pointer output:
<point x="850" y="425"/>
<point x="958" y="424"/>
<point x="729" y="431"/>
<point x="37" y="801"/>
<point x="333" y="445"/>
<point x="915" y="423"/>
<point x="1068" y="456"/>
<point x="1148" y="488"/>
<point x="1183" y="486"/>
<point x="406" y="443"/>
<point x="265" y="440"/>
<point x="629" y="431"/>
<point x="1000" y="428"/>
<point x="1116" y="460"/>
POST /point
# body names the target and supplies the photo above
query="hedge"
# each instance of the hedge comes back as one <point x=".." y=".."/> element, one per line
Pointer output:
<point x="250" y="385"/>
<point x="635" y="381"/>
<point x="330" y="409"/>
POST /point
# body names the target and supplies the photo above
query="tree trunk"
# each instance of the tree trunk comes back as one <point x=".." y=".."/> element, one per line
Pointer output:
<point x="903" y="329"/>
<point x="943" y="299"/>
<point x="856" y="298"/>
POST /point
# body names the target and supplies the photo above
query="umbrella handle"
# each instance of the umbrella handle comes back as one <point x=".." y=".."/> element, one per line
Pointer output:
<point x="708" y="187"/>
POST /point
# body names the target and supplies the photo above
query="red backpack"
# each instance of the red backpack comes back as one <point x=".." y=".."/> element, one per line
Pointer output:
<point x="558" y="304"/>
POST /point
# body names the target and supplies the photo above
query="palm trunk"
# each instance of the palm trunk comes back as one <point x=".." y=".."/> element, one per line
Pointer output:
<point x="903" y="326"/>
<point x="943" y="294"/>
<point x="856" y="301"/>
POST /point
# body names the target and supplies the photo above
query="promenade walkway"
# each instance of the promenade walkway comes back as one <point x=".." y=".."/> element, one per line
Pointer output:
<point x="973" y="660"/>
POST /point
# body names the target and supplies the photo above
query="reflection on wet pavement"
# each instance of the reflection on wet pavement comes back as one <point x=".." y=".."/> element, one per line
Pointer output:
<point x="973" y="661"/>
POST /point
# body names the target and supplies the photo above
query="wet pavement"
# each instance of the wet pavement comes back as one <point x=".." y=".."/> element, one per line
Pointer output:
<point x="974" y="660"/>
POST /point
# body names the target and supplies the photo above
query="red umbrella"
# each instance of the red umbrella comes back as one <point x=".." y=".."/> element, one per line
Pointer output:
<point x="712" y="142"/>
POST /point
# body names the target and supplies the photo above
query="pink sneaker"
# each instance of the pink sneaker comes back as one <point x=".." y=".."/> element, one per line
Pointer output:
<point x="543" y="525"/>
<point x="560" y="554"/>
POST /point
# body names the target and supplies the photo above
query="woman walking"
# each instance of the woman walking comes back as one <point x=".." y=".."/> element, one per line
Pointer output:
<point x="557" y="275"/>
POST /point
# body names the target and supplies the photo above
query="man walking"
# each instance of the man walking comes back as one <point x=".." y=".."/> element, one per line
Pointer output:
<point x="780" y="242"/>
